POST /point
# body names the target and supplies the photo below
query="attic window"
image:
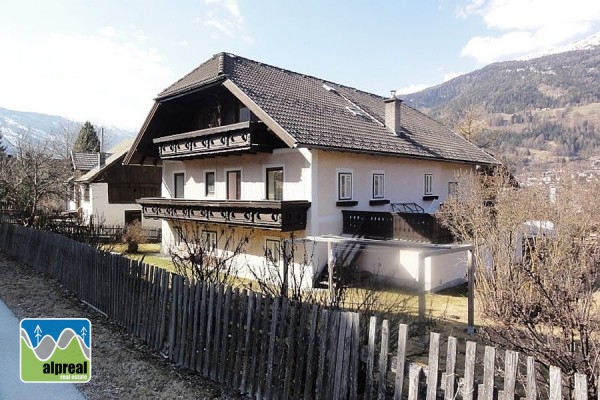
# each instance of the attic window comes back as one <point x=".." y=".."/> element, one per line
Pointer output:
<point x="355" y="111"/>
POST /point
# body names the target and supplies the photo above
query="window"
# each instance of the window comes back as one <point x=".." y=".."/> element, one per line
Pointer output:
<point x="86" y="192"/>
<point x="378" y="192"/>
<point x="244" y="113"/>
<point x="178" y="183"/>
<point x="209" y="241"/>
<point x="275" y="183"/>
<point x="345" y="186"/>
<point x="428" y="184"/>
<point x="234" y="183"/>
<point x="209" y="182"/>
<point x="452" y="189"/>
<point x="273" y="251"/>
<point x="132" y="215"/>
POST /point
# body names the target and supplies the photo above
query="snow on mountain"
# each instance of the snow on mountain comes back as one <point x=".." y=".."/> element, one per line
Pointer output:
<point x="43" y="127"/>
<point x="583" y="44"/>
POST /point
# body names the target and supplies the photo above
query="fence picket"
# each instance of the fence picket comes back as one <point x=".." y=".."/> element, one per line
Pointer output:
<point x="511" y="364"/>
<point x="531" y="388"/>
<point x="489" y="363"/>
<point x="370" y="357"/>
<point x="468" y="388"/>
<point x="432" y="375"/>
<point x="268" y="348"/>
<point x="400" y="360"/>
<point x="450" y="369"/>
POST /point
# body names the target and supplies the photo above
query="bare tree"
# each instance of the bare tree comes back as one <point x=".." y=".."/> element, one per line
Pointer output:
<point x="471" y="124"/>
<point x="537" y="261"/>
<point x="213" y="256"/>
<point x="33" y="182"/>
<point x="65" y="135"/>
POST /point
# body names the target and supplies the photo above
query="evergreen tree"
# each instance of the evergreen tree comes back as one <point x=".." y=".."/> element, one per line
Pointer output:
<point x="87" y="140"/>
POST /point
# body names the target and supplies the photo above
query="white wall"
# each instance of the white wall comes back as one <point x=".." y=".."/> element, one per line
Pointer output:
<point x="400" y="267"/>
<point x="110" y="214"/>
<point x="296" y="172"/>
<point x="404" y="183"/>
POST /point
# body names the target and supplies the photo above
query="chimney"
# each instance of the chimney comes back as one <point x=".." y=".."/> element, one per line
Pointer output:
<point x="101" y="159"/>
<point x="392" y="113"/>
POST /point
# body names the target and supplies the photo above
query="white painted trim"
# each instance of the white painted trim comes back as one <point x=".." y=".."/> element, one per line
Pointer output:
<point x="339" y="171"/>
<point x="373" y="173"/>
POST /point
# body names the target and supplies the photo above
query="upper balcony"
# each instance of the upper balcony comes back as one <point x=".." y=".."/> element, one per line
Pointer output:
<point x="238" y="138"/>
<point x="283" y="216"/>
<point x="395" y="225"/>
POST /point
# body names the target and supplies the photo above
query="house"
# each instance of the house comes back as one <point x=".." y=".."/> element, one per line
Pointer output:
<point x="249" y="145"/>
<point x="105" y="190"/>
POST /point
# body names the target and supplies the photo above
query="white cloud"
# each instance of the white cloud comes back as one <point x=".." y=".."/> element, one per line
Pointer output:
<point x="225" y="17"/>
<point x="82" y="77"/>
<point x="525" y="26"/>
<point x="109" y="31"/>
<point x="452" y="75"/>
<point x="412" y="88"/>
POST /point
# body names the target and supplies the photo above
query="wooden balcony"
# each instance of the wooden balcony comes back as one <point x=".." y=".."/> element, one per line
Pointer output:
<point x="243" y="137"/>
<point x="282" y="216"/>
<point x="395" y="225"/>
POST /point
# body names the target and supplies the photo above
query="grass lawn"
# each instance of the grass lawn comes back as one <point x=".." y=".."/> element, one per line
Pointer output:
<point x="448" y="308"/>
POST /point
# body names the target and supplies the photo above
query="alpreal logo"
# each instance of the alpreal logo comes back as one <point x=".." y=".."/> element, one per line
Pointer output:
<point x="56" y="350"/>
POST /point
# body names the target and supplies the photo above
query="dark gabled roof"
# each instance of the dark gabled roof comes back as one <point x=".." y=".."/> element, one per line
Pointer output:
<point x="113" y="155"/>
<point x="317" y="117"/>
<point x="84" y="161"/>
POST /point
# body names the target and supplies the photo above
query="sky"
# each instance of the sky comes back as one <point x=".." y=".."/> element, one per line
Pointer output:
<point x="105" y="61"/>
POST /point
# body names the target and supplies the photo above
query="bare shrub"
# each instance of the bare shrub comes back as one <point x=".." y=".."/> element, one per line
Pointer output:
<point x="134" y="235"/>
<point x="537" y="267"/>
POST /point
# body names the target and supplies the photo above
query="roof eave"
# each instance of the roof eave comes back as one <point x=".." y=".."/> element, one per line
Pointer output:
<point x="403" y="155"/>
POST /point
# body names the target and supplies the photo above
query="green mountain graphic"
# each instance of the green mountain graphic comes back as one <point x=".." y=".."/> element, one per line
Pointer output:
<point x="32" y="369"/>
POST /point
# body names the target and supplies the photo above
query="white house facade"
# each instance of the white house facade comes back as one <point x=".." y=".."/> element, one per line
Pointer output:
<point x="291" y="158"/>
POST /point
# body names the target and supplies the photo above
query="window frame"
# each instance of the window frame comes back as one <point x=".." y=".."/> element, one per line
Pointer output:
<point x="428" y="185"/>
<point x="342" y="194"/>
<point x="175" y="186"/>
<point x="374" y="176"/>
<point x="238" y="184"/>
<point x="207" y="193"/>
<point x="276" y="258"/>
<point x="267" y="183"/>
<point x="209" y="238"/>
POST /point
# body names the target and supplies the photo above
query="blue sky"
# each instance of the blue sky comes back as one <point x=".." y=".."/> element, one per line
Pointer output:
<point x="104" y="61"/>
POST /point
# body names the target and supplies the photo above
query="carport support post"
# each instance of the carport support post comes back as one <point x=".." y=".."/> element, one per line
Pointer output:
<point x="330" y="271"/>
<point x="421" y="293"/>
<point x="471" y="297"/>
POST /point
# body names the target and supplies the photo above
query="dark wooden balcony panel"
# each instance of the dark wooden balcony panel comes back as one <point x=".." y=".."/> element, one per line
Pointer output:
<point x="243" y="137"/>
<point x="283" y="216"/>
<point x="395" y="225"/>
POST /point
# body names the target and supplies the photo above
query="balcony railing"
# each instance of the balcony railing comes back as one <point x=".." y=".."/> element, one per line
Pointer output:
<point x="283" y="216"/>
<point x="243" y="137"/>
<point x="395" y="225"/>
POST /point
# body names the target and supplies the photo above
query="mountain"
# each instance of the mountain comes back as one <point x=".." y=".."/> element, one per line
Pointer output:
<point x="46" y="127"/>
<point x="540" y="109"/>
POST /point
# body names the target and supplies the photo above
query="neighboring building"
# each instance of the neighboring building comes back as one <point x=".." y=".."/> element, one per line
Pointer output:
<point x="251" y="145"/>
<point x="105" y="190"/>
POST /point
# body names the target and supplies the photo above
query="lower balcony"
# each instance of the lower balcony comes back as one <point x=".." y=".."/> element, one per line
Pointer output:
<point x="395" y="225"/>
<point x="282" y="216"/>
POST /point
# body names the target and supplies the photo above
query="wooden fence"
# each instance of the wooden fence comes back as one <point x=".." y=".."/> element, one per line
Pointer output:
<point x="271" y="347"/>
